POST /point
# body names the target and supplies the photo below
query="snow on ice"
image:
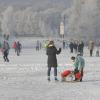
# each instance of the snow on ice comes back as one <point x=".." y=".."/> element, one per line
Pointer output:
<point x="24" y="78"/>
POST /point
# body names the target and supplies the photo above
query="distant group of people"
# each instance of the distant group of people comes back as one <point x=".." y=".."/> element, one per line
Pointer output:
<point x="17" y="46"/>
<point x="5" y="47"/>
<point x="76" y="46"/>
<point x="52" y="51"/>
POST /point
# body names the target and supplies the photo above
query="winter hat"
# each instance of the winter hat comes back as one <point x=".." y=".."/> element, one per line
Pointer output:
<point x="73" y="58"/>
<point x="51" y="43"/>
<point x="78" y="54"/>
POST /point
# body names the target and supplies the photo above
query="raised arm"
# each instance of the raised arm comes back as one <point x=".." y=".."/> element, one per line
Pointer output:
<point x="58" y="51"/>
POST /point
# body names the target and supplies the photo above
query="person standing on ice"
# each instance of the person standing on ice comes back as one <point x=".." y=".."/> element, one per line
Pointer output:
<point x="51" y="52"/>
<point x="91" y="47"/>
<point x="81" y="47"/>
<point x="14" y="46"/>
<point x="18" y="48"/>
<point x="5" y="50"/>
<point x="37" y="46"/>
<point x="71" y="46"/>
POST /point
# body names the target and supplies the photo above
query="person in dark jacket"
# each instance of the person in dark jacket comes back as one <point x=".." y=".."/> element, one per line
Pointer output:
<point x="5" y="51"/>
<point x="18" y="48"/>
<point x="37" y="46"/>
<point x="75" y="46"/>
<point x="71" y="46"/>
<point x="80" y="48"/>
<point x="52" y="60"/>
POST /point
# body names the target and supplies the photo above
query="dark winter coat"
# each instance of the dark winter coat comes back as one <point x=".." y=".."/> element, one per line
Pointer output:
<point x="80" y="47"/>
<point x="75" y="46"/>
<point x="19" y="46"/>
<point x="6" y="47"/>
<point x="51" y="52"/>
<point x="71" y="45"/>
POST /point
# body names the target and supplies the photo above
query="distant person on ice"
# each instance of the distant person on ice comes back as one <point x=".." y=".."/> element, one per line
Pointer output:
<point x="18" y="48"/>
<point x="5" y="50"/>
<point x="14" y="46"/>
<point x="37" y="46"/>
<point x="71" y="46"/>
<point x="91" y="47"/>
<point x="52" y="60"/>
<point x="97" y="52"/>
<point x="81" y="47"/>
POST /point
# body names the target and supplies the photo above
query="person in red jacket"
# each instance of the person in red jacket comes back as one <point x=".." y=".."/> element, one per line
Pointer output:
<point x="14" y="46"/>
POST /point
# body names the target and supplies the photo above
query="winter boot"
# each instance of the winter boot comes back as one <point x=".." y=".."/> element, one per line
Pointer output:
<point x="56" y="79"/>
<point x="49" y="78"/>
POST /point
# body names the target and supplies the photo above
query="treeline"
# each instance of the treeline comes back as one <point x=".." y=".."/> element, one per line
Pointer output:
<point x="81" y="20"/>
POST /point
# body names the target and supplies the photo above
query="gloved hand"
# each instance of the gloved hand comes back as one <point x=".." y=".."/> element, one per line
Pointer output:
<point x="59" y="49"/>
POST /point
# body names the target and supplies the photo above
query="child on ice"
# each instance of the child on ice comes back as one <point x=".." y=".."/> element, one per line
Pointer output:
<point x="79" y="64"/>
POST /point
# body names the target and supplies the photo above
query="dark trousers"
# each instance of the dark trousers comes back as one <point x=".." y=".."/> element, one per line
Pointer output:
<point x="18" y="52"/>
<point x="91" y="52"/>
<point x="71" y="50"/>
<point x="49" y="70"/>
<point x="6" y="56"/>
<point x="81" y="74"/>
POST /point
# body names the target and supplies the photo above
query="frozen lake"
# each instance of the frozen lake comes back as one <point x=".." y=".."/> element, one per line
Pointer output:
<point x="24" y="78"/>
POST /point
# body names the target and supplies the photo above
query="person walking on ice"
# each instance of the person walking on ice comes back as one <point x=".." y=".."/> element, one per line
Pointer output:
<point x="91" y="47"/>
<point x="51" y="52"/>
<point x="5" y="50"/>
<point x="18" y="48"/>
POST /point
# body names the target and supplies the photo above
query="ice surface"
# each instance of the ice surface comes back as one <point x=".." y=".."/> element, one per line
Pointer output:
<point x="24" y="78"/>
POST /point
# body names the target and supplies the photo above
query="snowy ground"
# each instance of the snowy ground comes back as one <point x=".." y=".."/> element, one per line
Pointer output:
<point x="24" y="78"/>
